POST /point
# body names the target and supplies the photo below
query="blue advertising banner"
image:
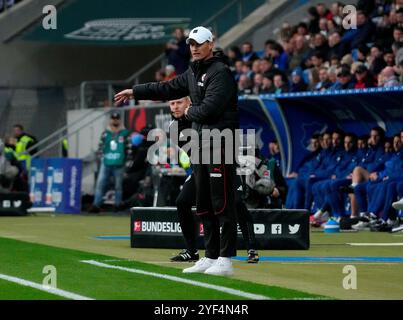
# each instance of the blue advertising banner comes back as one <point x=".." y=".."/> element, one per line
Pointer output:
<point x="56" y="183"/>
<point x="63" y="190"/>
<point x="253" y="116"/>
<point x="37" y="183"/>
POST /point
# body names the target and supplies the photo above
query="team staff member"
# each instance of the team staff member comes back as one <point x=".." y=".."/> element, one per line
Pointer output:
<point x="213" y="92"/>
<point x="113" y="149"/>
<point x="24" y="142"/>
<point x="187" y="198"/>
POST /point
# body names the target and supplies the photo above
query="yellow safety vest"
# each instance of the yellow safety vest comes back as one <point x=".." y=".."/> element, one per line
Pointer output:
<point x="184" y="159"/>
<point x="65" y="144"/>
<point x="21" y="150"/>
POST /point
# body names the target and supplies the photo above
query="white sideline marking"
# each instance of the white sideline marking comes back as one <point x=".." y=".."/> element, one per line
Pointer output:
<point x="387" y="244"/>
<point x="183" y="280"/>
<point x="57" y="292"/>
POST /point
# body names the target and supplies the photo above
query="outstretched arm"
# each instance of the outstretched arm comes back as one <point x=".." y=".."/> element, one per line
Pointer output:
<point x="165" y="90"/>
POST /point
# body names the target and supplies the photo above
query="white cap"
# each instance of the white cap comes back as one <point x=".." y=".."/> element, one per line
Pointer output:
<point x="200" y="35"/>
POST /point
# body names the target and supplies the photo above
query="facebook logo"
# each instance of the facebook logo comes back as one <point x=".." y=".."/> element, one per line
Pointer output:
<point x="276" y="229"/>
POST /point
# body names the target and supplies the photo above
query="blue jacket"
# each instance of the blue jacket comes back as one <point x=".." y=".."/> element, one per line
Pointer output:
<point x="309" y="166"/>
<point x="371" y="155"/>
<point x="350" y="160"/>
<point x="379" y="163"/>
<point x="330" y="161"/>
<point x="393" y="167"/>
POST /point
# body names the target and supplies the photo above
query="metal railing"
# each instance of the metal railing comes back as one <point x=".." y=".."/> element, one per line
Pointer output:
<point x="108" y="87"/>
<point x="57" y="137"/>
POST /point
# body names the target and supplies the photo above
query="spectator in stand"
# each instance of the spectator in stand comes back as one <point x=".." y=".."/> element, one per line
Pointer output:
<point x="299" y="53"/>
<point x="234" y="55"/>
<point x="364" y="33"/>
<point x="313" y="78"/>
<point x="267" y="67"/>
<point x="384" y="31"/>
<point x="297" y="82"/>
<point x="267" y="85"/>
<point x="375" y="60"/>
<point x="267" y="48"/>
<point x="332" y="75"/>
<point x="336" y="47"/>
<point x="255" y="68"/>
<point x="334" y="62"/>
<point x="313" y="26"/>
<point x="323" y="27"/>
<point x="389" y="58"/>
<point x="324" y="12"/>
<point x="288" y="47"/>
<point x="302" y="29"/>
<point x="387" y="78"/>
<point x="257" y="83"/>
<point x="332" y="26"/>
<point x="279" y="56"/>
<point x="320" y="44"/>
<point x="170" y="72"/>
<point x="317" y="59"/>
<point x="324" y="82"/>
<point x="177" y="52"/>
<point x="347" y="60"/>
<point x="247" y="52"/>
<point x="238" y="69"/>
<point x="337" y="12"/>
<point x="344" y="80"/>
<point x="397" y="49"/>
<point x="246" y="69"/>
<point x="398" y="34"/>
<point x="362" y="53"/>
<point x="280" y="85"/>
<point x="244" y="85"/>
<point x="366" y="6"/>
<point x="364" y="78"/>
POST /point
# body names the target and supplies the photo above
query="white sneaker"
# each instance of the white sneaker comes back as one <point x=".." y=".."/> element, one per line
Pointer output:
<point x="223" y="267"/>
<point x="318" y="214"/>
<point x="200" y="266"/>
<point x="361" y="226"/>
<point x="398" y="205"/>
<point x="393" y="223"/>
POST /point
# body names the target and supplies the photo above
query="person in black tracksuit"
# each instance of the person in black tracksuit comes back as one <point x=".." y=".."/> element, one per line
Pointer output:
<point x="213" y="92"/>
<point x="187" y="198"/>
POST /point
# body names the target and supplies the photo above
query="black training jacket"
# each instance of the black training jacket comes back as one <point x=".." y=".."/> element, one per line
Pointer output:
<point x="211" y="87"/>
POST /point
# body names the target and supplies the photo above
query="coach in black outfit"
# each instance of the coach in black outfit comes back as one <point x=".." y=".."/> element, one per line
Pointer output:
<point x="187" y="198"/>
<point x="213" y="92"/>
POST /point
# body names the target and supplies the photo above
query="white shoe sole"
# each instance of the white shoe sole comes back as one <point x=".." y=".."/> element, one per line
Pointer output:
<point x="220" y="273"/>
<point x="189" y="270"/>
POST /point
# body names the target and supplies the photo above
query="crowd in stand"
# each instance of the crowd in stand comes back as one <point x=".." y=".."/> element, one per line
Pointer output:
<point x="317" y="54"/>
<point x="320" y="54"/>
